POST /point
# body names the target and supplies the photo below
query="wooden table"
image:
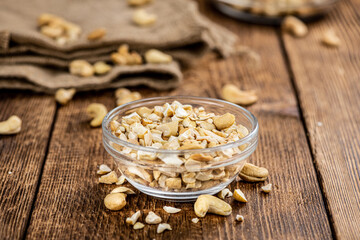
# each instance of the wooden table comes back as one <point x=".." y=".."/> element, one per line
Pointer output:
<point x="309" y="116"/>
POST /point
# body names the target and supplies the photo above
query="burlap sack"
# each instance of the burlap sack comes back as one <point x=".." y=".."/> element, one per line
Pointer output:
<point x="25" y="54"/>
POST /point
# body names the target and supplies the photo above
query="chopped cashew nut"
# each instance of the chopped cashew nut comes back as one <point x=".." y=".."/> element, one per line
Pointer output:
<point x="109" y="178"/>
<point x="252" y="173"/>
<point x="195" y="220"/>
<point x="138" y="225"/>
<point x="103" y="169"/>
<point x="233" y="94"/>
<point x="171" y="209"/>
<point x="224" y="121"/>
<point x="123" y="190"/>
<point x="121" y="180"/>
<point x="63" y="96"/>
<point x="162" y="227"/>
<point x="97" y="111"/>
<point x="156" y="56"/>
<point x="211" y="204"/>
<point x="115" y="201"/>
<point x="101" y="68"/>
<point x="225" y="193"/>
<point x="96" y="34"/>
<point x="266" y="188"/>
<point x="81" y="68"/>
<point x="152" y="218"/>
<point x="330" y="39"/>
<point x="10" y="126"/>
<point x="239" y="196"/>
<point x="294" y="26"/>
<point x="137" y="2"/>
<point x="239" y="218"/>
<point x="133" y="219"/>
<point x="143" y="18"/>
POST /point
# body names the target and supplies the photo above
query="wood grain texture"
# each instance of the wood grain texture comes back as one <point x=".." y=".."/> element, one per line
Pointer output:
<point x="21" y="158"/>
<point x="328" y="86"/>
<point x="70" y="200"/>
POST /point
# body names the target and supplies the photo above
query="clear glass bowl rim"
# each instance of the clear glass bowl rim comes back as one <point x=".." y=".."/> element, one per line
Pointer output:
<point x="109" y="136"/>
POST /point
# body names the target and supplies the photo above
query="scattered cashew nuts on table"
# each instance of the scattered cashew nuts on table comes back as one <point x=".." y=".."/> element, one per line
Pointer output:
<point x="211" y="204"/>
<point x="97" y="111"/>
<point x="10" y="126"/>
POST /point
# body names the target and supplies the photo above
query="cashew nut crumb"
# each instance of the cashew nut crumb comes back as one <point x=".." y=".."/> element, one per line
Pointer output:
<point x="138" y="225"/>
<point x="171" y="209"/>
<point x="266" y="188"/>
<point x="224" y="193"/>
<point x="143" y="18"/>
<point x="252" y="173"/>
<point x="162" y="227"/>
<point x="294" y="26"/>
<point x="109" y="178"/>
<point x="123" y="190"/>
<point x="81" y="68"/>
<point x="115" y="201"/>
<point x="195" y="220"/>
<point x="233" y="94"/>
<point x="239" y="196"/>
<point x="58" y="29"/>
<point x="152" y="218"/>
<point x="124" y="95"/>
<point x="101" y="68"/>
<point x="138" y="2"/>
<point x="97" y="111"/>
<point x="96" y="34"/>
<point x="132" y="220"/>
<point x="103" y="169"/>
<point x="211" y="204"/>
<point x="121" y="180"/>
<point x="10" y="126"/>
<point x="330" y="39"/>
<point x="239" y="218"/>
<point x="156" y="56"/>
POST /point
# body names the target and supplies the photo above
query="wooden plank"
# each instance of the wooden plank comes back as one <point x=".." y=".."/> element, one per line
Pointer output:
<point x="327" y="80"/>
<point x="70" y="200"/>
<point x="21" y="158"/>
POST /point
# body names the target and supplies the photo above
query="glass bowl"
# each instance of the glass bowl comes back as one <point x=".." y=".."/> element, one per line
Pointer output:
<point x="271" y="12"/>
<point x="143" y="168"/>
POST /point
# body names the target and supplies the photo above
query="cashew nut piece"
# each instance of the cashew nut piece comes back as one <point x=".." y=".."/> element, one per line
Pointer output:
<point x="97" y="111"/>
<point x="109" y="178"/>
<point x="294" y="26"/>
<point x="96" y="34"/>
<point x="143" y="18"/>
<point x="63" y="96"/>
<point x="252" y="173"/>
<point x="103" y="169"/>
<point x="123" y="190"/>
<point x="171" y="209"/>
<point x="239" y="196"/>
<point x="266" y="188"/>
<point x="81" y="68"/>
<point x="132" y="220"/>
<point x="115" y="201"/>
<point x="211" y="204"/>
<point x="239" y="218"/>
<point x="330" y="38"/>
<point x="137" y="2"/>
<point x="138" y="225"/>
<point x="10" y="126"/>
<point x="233" y="94"/>
<point x="156" y="56"/>
<point x="162" y="227"/>
<point x="152" y="218"/>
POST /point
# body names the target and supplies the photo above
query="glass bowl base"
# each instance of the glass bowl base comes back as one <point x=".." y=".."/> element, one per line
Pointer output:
<point x="179" y="196"/>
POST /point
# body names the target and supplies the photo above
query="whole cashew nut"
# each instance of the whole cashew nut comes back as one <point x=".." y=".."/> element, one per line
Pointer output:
<point x="10" y="126"/>
<point x="97" y="111"/>
<point x="63" y="96"/>
<point x="211" y="204"/>
<point x="233" y="94"/>
<point x="252" y="173"/>
<point x="115" y="201"/>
